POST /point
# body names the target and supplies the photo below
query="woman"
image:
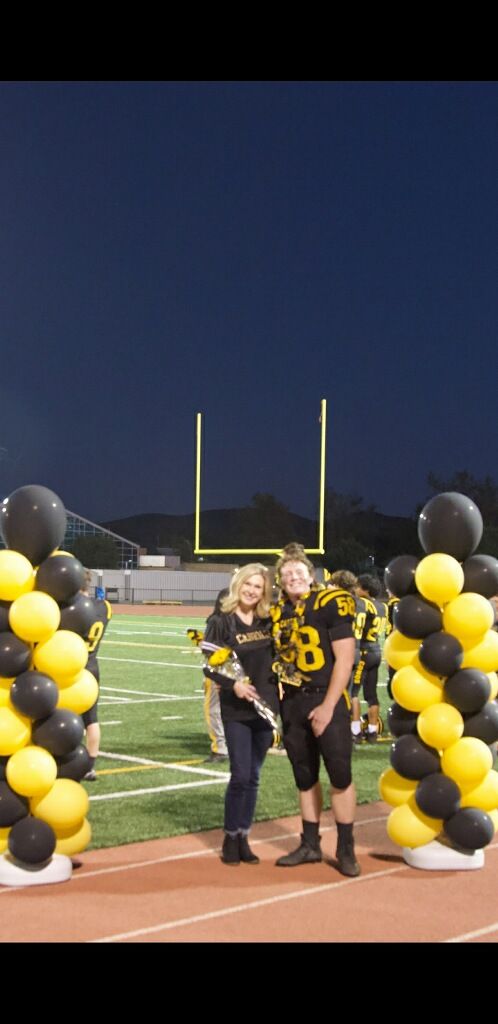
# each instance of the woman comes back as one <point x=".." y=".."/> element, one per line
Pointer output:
<point x="243" y="625"/>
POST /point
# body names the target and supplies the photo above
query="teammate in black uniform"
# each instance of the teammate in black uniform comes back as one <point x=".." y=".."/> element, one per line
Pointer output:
<point x="103" y="613"/>
<point x="314" y="646"/>
<point x="244" y="627"/>
<point x="212" y="710"/>
<point x="370" y="621"/>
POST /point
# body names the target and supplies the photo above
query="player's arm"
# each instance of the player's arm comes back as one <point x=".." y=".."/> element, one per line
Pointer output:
<point x="337" y="612"/>
<point x="344" y="651"/>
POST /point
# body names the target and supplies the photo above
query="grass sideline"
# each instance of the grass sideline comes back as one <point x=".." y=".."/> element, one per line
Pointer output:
<point x="152" y="776"/>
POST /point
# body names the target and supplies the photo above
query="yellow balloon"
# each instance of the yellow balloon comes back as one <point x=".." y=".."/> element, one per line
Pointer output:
<point x="81" y="694"/>
<point x="5" y="685"/>
<point x="493" y="678"/>
<point x="400" y="650"/>
<point x="485" y="795"/>
<point x="467" y="761"/>
<point x="34" y="617"/>
<point x="62" y="656"/>
<point x="71" y="841"/>
<point x="16" y="575"/>
<point x="440" y="725"/>
<point x="407" y="826"/>
<point x="15" y="731"/>
<point x="468" y="616"/>
<point x="63" y="807"/>
<point x="416" y="690"/>
<point x="57" y="552"/>
<point x="31" y="771"/>
<point x="394" y="789"/>
<point x="439" y="578"/>
<point x="484" y="654"/>
<point x="4" y="838"/>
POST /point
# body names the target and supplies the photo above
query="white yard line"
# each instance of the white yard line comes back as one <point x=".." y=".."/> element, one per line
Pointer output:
<point x="222" y="778"/>
<point x="140" y="693"/>
<point x="163" y="764"/>
<point x="150" y="700"/>
<point x="151" y="664"/>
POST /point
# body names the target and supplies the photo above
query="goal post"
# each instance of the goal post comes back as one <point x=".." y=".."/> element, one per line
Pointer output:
<point x="319" y="550"/>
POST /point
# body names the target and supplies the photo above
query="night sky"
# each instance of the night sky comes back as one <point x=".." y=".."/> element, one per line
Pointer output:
<point x="244" y="250"/>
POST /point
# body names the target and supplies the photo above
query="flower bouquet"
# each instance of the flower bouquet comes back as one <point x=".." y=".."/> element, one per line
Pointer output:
<point x="226" y="663"/>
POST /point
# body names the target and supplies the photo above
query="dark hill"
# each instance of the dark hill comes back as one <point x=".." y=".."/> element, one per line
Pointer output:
<point x="384" y="536"/>
<point x="220" y="528"/>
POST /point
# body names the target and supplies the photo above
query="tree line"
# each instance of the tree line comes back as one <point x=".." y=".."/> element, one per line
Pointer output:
<point x="358" y="536"/>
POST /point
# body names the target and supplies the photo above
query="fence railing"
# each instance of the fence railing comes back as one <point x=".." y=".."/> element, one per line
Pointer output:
<point x="147" y="595"/>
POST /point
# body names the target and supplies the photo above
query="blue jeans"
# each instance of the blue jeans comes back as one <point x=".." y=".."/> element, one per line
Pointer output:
<point x="247" y="744"/>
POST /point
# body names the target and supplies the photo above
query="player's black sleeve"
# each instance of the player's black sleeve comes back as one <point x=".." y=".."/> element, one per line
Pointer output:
<point x="337" y="610"/>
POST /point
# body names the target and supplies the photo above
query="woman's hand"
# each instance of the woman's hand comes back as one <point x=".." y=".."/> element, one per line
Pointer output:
<point x="244" y="689"/>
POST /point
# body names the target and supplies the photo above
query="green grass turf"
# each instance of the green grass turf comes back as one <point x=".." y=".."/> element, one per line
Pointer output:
<point x="150" y="672"/>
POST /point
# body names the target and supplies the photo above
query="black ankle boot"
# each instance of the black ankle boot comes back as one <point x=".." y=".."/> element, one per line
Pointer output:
<point x="230" y="850"/>
<point x="305" y="854"/>
<point x="346" y="861"/>
<point x="245" y="852"/>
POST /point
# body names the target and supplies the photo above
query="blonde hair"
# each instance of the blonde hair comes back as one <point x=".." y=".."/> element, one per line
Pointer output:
<point x="230" y="602"/>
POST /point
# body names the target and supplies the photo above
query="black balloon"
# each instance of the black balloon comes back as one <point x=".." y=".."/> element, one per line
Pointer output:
<point x="32" y="841"/>
<point x="61" y="576"/>
<point x="413" y="759"/>
<point x="484" y="724"/>
<point x="400" y="721"/>
<point x="75" y="764"/>
<point x="3" y="765"/>
<point x="59" y="733"/>
<point x="481" y="575"/>
<point x="468" y="690"/>
<point x="15" y="655"/>
<point x="438" y="796"/>
<point x="417" y="618"/>
<point x="4" y="616"/>
<point x="34" y="694"/>
<point x="79" y="615"/>
<point x="470" y="828"/>
<point x="399" y="575"/>
<point x="450" y="523"/>
<point x="12" y="806"/>
<point x="33" y="521"/>
<point x="441" y="653"/>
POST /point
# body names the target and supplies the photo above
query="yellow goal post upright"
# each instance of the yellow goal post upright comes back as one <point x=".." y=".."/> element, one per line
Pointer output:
<point x="319" y="550"/>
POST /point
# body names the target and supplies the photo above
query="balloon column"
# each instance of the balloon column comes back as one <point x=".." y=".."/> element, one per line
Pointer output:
<point x="443" y="648"/>
<point x="44" y="688"/>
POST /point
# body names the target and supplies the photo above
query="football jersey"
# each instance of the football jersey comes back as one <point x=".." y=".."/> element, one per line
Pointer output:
<point x="370" y="621"/>
<point x="314" y="623"/>
<point x="391" y="608"/>
<point x="103" y="615"/>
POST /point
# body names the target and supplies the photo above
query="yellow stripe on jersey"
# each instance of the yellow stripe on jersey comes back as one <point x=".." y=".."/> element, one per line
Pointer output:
<point x="345" y="602"/>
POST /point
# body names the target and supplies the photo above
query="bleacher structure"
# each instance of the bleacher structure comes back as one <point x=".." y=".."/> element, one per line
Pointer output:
<point x="78" y="526"/>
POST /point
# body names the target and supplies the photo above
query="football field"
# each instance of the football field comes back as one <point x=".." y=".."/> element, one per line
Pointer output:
<point x="153" y="779"/>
